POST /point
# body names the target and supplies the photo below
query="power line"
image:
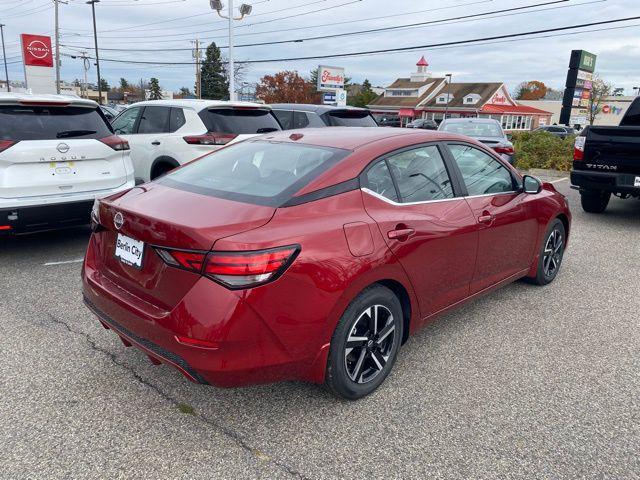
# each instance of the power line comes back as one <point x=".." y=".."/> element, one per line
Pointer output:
<point x="507" y="12"/>
<point x="399" y="49"/>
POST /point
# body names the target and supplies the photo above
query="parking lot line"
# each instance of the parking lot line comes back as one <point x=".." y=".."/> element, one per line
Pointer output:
<point x="64" y="262"/>
<point x="560" y="180"/>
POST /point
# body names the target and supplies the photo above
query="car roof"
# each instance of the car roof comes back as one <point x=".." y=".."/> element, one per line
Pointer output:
<point x="198" y="105"/>
<point x="16" y="98"/>
<point x="471" y="120"/>
<point x="309" y="107"/>
<point x="352" y="138"/>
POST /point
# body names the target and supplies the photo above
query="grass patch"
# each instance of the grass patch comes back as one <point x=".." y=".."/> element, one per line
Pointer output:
<point x="186" y="409"/>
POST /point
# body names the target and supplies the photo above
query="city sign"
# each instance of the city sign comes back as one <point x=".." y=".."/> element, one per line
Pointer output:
<point x="330" y="78"/>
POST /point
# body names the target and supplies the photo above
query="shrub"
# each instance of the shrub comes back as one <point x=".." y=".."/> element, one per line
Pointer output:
<point x="542" y="150"/>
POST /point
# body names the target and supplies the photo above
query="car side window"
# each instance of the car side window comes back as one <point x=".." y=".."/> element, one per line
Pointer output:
<point x="421" y="175"/>
<point x="314" y="120"/>
<point x="482" y="174"/>
<point x="378" y="179"/>
<point x="176" y="119"/>
<point x="126" y="122"/>
<point x="154" y="120"/>
<point x="300" y="120"/>
<point x="285" y="117"/>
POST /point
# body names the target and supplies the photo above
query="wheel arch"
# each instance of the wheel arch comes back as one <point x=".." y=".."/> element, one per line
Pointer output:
<point x="401" y="292"/>
<point x="162" y="161"/>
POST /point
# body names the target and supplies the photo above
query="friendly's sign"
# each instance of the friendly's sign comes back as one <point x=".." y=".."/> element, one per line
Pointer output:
<point x="36" y="50"/>
<point x="330" y="78"/>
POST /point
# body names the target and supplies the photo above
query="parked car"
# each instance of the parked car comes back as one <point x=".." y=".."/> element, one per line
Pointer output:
<point x="557" y="130"/>
<point x="314" y="256"/>
<point x="606" y="161"/>
<point x="167" y="133"/>
<point x="389" y="122"/>
<point x="296" y="115"/>
<point x="57" y="154"/>
<point x="109" y="113"/>
<point x="485" y="130"/>
<point x="423" y="123"/>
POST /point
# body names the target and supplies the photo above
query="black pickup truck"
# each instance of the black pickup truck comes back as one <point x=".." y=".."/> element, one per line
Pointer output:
<point x="606" y="160"/>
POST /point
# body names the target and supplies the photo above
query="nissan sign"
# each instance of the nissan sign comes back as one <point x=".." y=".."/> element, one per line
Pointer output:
<point x="36" y="50"/>
<point x="330" y="78"/>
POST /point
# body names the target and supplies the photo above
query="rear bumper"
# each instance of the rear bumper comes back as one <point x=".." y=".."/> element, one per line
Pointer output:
<point x="605" y="181"/>
<point x="45" y="217"/>
<point x="245" y="347"/>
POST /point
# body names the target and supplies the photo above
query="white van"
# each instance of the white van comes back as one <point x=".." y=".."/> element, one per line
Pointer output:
<point x="57" y="155"/>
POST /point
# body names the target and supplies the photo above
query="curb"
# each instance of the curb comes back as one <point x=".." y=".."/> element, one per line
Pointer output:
<point x="544" y="172"/>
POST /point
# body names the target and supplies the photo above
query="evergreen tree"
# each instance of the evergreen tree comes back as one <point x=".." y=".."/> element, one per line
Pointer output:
<point x="124" y="84"/>
<point x="155" y="92"/>
<point x="215" y="86"/>
<point x="104" y="85"/>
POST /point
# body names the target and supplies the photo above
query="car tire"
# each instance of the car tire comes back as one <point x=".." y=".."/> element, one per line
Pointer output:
<point x="551" y="254"/>
<point x="594" y="201"/>
<point x="365" y="343"/>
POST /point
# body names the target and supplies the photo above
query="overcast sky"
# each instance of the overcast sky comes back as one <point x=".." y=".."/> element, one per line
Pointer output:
<point x="133" y="26"/>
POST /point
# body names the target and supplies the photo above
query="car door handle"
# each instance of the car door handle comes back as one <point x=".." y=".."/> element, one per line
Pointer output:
<point x="155" y="142"/>
<point x="486" y="218"/>
<point x="400" y="233"/>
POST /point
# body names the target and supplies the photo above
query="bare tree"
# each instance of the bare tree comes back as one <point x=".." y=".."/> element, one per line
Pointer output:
<point x="600" y="90"/>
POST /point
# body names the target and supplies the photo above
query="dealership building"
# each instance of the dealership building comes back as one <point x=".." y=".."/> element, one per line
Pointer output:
<point x="422" y="96"/>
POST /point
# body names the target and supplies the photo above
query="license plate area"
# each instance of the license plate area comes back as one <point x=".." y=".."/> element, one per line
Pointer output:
<point x="129" y="251"/>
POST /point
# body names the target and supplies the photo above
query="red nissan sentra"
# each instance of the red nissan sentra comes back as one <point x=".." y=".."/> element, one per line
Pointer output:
<point x="313" y="255"/>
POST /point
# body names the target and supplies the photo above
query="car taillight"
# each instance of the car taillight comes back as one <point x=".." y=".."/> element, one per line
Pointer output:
<point x="116" y="142"/>
<point x="504" y="149"/>
<point x="4" y="144"/>
<point x="210" y="139"/>
<point x="234" y="270"/>
<point x="578" y="148"/>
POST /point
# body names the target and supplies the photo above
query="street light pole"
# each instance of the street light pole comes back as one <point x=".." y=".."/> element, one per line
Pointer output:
<point x="95" y="38"/>
<point x="57" y="33"/>
<point x="446" y="107"/>
<point x="244" y="10"/>
<point x="4" y="56"/>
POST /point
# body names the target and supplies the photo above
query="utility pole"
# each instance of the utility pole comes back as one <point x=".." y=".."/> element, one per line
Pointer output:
<point x="95" y="38"/>
<point x="446" y="107"/>
<point x="85" y="67"/>
<point x="196" y="56"/>
<point x="57" y="34"/>
<point x="4" y="56"/>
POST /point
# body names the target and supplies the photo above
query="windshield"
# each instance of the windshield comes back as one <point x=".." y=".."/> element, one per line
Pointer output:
<point x="473" y="129"/>
<point x="31" y="122"/>
<point x="263" y="173"/>
<point x="239" y="120"/>
<point x="350" y="118"/>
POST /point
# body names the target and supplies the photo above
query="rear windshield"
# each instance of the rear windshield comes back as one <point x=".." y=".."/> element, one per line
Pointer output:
<point x="473" y="129"/>
<point x="22" y="122"/>
<point x="348" y="118"/>
<point x="239" y="121"/>
<point x="263" y="173"/>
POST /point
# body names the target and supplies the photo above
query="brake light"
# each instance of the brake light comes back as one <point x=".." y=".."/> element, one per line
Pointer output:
<point x="578" y="148"/>
<point x="249" y="269"/>
<point x="4" y="144"/>
<point x="234" y="270"/>
<point x="116" y="142"/>
<point x="210" y="139"/>
<point x="504" y="149"/>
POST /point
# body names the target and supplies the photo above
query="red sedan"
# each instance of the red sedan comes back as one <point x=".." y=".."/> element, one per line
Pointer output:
<point x="313" y="255"/>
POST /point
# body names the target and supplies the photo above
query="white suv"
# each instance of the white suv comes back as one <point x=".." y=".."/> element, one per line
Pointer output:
<point x="57" y="155"/>
<point x="167" y="133"/>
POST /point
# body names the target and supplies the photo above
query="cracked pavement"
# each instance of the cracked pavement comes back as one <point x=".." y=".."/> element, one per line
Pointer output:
<point x="526" y="382"/>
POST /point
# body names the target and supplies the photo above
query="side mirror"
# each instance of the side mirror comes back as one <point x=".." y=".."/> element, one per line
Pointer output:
<point x="509" y="136"/>
<point x="531" y="184"/>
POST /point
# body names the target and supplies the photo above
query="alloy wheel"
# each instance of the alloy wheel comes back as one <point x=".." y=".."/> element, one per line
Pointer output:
<point x="369" y="344"/>
<point x="553" y="253"/>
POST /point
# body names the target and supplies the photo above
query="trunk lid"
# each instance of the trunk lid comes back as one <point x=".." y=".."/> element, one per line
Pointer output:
<point x="52" y="167"/>
<point x="615" y="149"/>
<point x="175" y="219"/>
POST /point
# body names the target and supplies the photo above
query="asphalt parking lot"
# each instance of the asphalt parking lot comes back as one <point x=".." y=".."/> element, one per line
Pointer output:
<point x="527" y="382"/>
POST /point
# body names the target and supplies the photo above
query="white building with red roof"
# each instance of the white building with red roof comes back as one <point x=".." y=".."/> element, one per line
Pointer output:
<point x="421" y="96"/>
